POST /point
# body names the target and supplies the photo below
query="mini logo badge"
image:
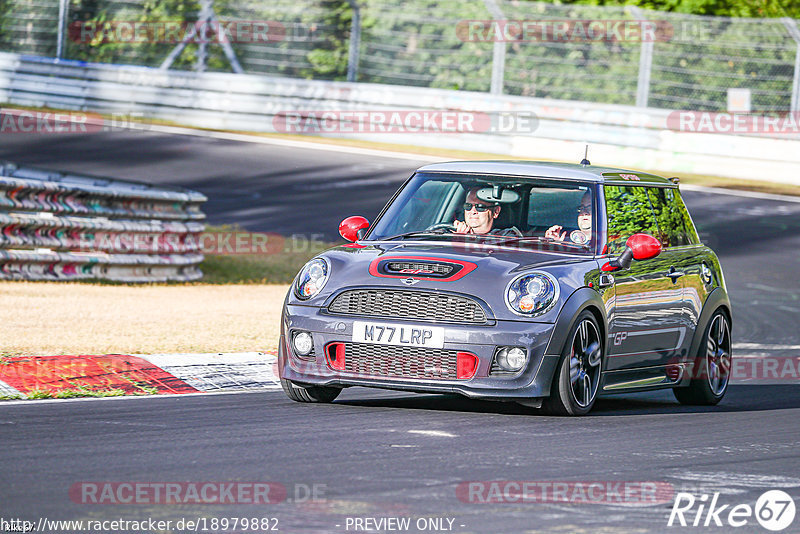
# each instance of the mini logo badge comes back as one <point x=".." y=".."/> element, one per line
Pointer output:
<point x="409" y="281"/>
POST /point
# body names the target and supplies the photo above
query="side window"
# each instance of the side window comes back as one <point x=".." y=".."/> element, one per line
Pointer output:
<point x="674" y="225"/>
<point x="679" y="207"/>
<point x="550" y="206"/>
<point x="628" y="211"/>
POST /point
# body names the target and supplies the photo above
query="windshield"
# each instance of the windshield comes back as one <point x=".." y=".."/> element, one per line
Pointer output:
<point x="477" y="207"/>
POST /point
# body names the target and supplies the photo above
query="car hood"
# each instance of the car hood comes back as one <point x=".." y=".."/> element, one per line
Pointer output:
<point x="484" y="271"/>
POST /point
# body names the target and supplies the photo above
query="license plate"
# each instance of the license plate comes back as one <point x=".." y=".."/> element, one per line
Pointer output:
<point x="398" y="334"/>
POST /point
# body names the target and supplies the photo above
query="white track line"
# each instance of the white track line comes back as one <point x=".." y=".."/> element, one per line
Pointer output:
<point x="434" y="433"/>
<point x="764" y="346"/>
<point x="247" y="138"/>
<point x="36" y="402"/>
<point x="383" y="153"/>
<point x="738" y="193"/>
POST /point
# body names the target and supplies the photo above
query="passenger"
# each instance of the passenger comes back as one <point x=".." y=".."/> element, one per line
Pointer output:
<point x="583" y="234"/>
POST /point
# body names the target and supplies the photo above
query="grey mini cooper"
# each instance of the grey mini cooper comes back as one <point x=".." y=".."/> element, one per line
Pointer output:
<point x="545" y="284"/>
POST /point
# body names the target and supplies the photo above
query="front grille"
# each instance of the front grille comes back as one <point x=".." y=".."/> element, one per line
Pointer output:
<point x="437" y="269"/>
<point x="496" y="370"/>
<point x="400" y="362"/>
<point x="403" y="304"/>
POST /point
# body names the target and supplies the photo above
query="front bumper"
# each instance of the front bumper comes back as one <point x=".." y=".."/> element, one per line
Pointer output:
<point x="482" y="341"/>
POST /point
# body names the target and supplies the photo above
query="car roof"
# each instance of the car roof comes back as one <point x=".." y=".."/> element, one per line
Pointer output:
<point x="548" y="169"/>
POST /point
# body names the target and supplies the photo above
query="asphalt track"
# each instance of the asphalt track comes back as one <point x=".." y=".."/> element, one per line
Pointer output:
<point x="381" y="454"/>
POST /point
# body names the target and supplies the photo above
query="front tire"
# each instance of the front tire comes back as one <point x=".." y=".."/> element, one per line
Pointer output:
<point x="309" y="393"/>
<point x="712" y="367"/>
<point x="577" y="379"/>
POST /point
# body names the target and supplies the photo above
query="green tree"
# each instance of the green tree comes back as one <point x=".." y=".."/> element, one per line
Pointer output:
<point x="720" y="8"/>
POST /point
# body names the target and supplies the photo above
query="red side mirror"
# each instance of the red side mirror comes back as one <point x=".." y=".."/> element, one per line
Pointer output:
<point x="637" y="247"/>
<point x="644" y="246"/>
<point x="350" y="227"/>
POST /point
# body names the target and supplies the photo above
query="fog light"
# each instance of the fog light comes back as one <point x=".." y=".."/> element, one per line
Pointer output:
<point x="303" y="344"/>
<point x="511" y="358"/>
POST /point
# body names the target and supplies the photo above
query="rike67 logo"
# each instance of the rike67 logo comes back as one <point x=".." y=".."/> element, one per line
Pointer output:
<point x="774" y="510"/>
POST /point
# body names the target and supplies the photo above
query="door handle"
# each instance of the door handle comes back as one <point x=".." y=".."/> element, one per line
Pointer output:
<point x="674" y="274"/>
<point x="606" y="280"/>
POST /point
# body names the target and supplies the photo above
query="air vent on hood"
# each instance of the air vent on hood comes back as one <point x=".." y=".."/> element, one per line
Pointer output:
<point x="429" y="269"/>
<point x="421" y="268"/>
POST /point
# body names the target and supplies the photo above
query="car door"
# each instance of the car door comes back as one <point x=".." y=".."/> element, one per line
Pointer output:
<point x="646" y="322"/>
<point x="680" y="236"/>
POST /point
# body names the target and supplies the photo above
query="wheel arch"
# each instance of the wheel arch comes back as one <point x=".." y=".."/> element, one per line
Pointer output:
<point x="582" y="299"/>
<point x="716" y="300"/>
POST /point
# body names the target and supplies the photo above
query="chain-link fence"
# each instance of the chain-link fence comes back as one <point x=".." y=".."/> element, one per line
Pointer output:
<point x="610" y="55"/>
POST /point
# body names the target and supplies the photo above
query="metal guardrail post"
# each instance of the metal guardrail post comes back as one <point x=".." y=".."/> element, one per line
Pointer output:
<point x="207" y="16"/>
<point x="206" y="9"/>
<point x="794" y="33"/>
<point x="498" y="52"/>
<point x="355" y="42"/>
<point x="645" y="64"/>
<point x="63" y="9"/>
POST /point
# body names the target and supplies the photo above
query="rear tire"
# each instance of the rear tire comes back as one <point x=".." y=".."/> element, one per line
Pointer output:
<point x="309" y="393"/>
<point x="712" y="366"/>
<point x="577" y="379"/>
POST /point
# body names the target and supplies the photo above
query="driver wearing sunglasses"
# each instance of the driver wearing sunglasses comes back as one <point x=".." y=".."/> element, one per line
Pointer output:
<point x="479" y="215"/>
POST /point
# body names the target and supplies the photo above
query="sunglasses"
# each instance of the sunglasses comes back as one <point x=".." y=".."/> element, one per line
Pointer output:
<point x="480" y="208"/>
<point x="585" y="209"/>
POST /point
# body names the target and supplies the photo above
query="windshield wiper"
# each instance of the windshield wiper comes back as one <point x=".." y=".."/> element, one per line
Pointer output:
<point x="413" y="234"/>
<point x="545" y="240"/>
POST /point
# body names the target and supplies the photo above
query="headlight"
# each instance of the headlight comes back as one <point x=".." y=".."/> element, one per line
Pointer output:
<point x="532" y="294"/>
<point x="311" y="279"/>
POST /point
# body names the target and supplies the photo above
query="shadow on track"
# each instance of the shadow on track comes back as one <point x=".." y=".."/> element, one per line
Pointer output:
<point x="740" y="398"/>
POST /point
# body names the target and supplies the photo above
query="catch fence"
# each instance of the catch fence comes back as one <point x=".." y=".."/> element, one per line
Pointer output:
<point x="691" y="63"/>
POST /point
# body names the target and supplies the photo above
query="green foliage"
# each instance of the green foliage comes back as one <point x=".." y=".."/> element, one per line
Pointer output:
<point x="329" y="57"/>
<point x="112" y="50"/>
<point x="69" y="393"/>
<point x="419" y="43"/>
<point x="721" y="8"/>
<point x="629" y="212"/>
<point x="5" y="7"/>
<point x="278" y="268"/>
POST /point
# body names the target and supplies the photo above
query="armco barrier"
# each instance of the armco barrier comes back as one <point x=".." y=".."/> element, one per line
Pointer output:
<point x="61" y="226"/>
<point x="626" y="136"/>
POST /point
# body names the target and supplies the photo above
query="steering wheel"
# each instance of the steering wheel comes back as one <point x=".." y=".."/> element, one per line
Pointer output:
<point x="441" y="226"/>
<point x="515" y="231"/>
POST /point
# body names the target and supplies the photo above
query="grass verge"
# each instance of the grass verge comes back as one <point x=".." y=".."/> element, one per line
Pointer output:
<point x="72" y="393"/>
<point x="51" y="318"/>
<point x="279" y="267"/>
